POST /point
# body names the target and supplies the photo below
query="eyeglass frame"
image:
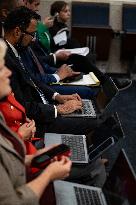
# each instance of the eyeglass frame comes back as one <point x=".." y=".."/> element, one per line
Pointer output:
<point x="32" y="34"/>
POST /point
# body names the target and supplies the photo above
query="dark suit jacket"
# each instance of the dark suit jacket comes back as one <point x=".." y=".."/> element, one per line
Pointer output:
<point x="42" y="53"/>
<point x="26" y="93"/>
<point x="31" y="65"/>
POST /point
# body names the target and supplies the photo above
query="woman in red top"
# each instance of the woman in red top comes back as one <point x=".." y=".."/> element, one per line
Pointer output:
<point x="15" y="116"/>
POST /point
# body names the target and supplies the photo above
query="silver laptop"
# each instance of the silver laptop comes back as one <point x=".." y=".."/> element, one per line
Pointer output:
<point x="101" y="102"/>
<point x="81" y="152"/>
<point x="119" y="189"/>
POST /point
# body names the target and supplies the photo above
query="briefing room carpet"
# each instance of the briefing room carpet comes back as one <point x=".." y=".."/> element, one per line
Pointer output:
<point x="125" y="105"/>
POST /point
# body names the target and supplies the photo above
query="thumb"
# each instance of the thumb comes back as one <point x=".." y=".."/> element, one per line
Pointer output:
<point x="62" y="161"/>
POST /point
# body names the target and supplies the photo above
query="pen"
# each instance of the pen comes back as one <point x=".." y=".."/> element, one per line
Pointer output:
<point x="70" y="65"/>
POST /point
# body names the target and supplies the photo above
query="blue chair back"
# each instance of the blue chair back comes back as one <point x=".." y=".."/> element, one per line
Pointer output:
<point x="90" y="14"/>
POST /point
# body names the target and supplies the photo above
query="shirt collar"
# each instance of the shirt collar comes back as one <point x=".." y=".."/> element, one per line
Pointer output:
<point x="13" y="49"/>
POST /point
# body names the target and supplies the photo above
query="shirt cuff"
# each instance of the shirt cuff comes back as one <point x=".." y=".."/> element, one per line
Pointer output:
<point x="55" y="111"/>
<point x="54" y="95"/>
<point x="56" y="76"/>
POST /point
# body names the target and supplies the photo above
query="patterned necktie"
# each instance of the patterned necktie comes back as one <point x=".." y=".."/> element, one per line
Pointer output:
<point x="37" y="62"/>
<point x="41" y="94"/>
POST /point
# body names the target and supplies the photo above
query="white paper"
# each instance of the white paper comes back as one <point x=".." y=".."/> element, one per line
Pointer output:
<point x="60" y="38"/>
<point x="88" y="79"/>
<point x="80" y="51"/>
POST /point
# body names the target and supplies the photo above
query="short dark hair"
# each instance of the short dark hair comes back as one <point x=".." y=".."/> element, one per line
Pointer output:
<point x="57" y="6"/>
<point x="20" y="17"/>
<point x="30" y="1"/>
<point x="9" y="5"/>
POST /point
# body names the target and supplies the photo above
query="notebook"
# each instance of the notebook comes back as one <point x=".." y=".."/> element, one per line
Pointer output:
<point x="86" y="80"/>
<point x="119" y="188"/>
<point x="100" y="103"/>
<point x="60" y="38"/>
<point x="82" y="151"/>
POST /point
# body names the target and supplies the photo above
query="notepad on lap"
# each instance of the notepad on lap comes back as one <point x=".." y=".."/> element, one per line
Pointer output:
<point x="88" y="80"/>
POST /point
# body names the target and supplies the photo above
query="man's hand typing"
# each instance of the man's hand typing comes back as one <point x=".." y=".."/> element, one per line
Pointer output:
<point x="69" y="107"/>
<point x="63" y="98"/>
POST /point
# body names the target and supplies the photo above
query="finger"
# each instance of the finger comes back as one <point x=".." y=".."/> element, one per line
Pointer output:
<point x="29" y="124"/>
<point x="77" y="96"/>
<point x="69" y="163"/>
<point x="33" y="121"/>
<point x="66" y="159"/>
<point x="27" y="119"/>
<point x="78" y="103"/>
<point x="78" y="108"/>
<point x="62" y="160"/>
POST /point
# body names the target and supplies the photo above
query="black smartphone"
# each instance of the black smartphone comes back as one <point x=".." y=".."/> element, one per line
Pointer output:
<point x="98" y="151"/>
<point x="42" y="160"/>
<point x="73" y="78"/>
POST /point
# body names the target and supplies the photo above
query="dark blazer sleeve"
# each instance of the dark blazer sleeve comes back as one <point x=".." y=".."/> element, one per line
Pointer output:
<point x="32" y="67"/>
<point x="46" y="79"/>
<point x="27" y="96"/>
<point x="43" y="54"/>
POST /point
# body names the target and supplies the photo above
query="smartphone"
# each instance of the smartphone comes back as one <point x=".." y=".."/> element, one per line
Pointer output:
<point x="42" y="160"/>
<point x="98" y="151"/>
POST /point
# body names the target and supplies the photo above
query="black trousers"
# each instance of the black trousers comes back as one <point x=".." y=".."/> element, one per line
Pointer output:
<point x="66" y="125"/>
<point x="93" y="174"/>
<point x="84" y="64"/>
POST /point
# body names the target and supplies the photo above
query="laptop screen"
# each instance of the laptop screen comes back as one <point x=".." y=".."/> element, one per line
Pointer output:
<point x="106" y="94"/>
<point x="120" y="186"/>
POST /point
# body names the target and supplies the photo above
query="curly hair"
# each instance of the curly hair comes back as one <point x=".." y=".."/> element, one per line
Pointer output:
<point x="57" y="6"/>
<point x="20" y="17"/>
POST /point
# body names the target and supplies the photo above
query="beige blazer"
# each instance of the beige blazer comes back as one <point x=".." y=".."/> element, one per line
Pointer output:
<point x="13" y="190"/>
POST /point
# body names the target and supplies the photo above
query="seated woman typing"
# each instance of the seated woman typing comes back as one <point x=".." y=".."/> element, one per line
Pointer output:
<point x="14" y="189"/>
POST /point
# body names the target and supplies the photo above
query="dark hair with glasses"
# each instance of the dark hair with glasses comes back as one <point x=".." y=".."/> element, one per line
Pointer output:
<point x="57" y="6"/>
<point x="20" y="17"/>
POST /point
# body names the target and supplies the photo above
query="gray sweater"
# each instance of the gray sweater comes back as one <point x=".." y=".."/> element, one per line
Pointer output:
<point x="13" y="189"/>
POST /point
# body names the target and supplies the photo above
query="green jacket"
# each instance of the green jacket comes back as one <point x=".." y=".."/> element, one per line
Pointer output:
<point x="44" y="35"/>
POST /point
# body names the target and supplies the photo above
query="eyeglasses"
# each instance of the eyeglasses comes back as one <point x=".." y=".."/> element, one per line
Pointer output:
<point x="32" y="34"/>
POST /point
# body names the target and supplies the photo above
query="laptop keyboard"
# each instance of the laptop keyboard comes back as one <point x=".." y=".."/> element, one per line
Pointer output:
<point x="88" y="108"/>
<point x="76" y="146"/>
<point x="86" y="196"/>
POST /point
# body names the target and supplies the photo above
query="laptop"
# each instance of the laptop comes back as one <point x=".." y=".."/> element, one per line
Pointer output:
<point x="100" y="103"/>
<point x="119" y="188"/>
<point x="85" y="149"/>
<point x="81" y="152"/>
